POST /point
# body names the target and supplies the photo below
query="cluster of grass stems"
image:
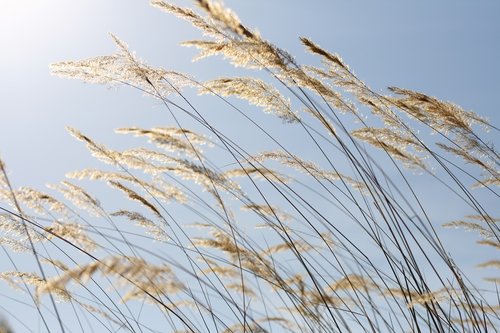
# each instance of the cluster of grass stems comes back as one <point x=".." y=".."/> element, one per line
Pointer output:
<point x="317" y="226"/>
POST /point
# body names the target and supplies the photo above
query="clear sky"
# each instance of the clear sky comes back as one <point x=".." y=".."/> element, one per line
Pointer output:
<point x="447" y="49"/>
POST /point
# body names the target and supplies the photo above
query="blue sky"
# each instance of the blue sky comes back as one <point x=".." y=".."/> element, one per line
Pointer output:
<point x="447" y="49"/>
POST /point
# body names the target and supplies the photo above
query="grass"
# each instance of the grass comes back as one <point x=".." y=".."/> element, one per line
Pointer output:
<point x="319" y="225"/>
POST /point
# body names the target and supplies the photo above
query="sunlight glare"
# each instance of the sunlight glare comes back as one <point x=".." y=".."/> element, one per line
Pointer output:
<point x="8" y="8"/>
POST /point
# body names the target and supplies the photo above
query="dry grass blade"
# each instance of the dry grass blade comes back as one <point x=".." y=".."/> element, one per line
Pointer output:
<point x="316" y="228"/>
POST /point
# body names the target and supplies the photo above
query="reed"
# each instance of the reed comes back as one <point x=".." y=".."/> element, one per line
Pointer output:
<point x="323" y="231"/>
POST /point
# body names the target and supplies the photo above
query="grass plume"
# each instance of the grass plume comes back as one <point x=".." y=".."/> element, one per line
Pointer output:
<point x="328" y="235"/>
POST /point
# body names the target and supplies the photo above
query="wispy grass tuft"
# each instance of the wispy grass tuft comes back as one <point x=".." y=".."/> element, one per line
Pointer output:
<point x="317" y="225"/>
